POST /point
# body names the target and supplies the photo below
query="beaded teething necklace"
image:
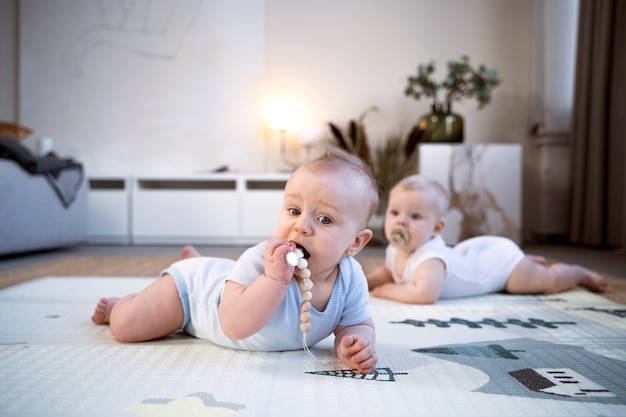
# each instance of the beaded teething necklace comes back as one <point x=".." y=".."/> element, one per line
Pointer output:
<point x="297" y="260"/>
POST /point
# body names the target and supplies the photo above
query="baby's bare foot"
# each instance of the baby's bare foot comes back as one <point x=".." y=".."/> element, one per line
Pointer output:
<point x="189" y="252"/>
<point x="102" y="313"/>
<point x="593" y="281"/>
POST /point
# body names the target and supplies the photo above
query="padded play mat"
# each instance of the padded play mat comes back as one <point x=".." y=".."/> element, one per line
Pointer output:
<point x="494" y="355"/>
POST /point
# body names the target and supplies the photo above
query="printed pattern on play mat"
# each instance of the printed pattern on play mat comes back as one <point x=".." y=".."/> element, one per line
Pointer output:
<point x="493" y="355"/>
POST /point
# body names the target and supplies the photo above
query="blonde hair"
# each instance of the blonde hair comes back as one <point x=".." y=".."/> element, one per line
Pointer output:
<point x="419" y="182"/>
<point x="360" y="177"/>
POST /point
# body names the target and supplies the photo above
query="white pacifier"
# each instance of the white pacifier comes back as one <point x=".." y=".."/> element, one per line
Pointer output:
<point x="399" y="236"/>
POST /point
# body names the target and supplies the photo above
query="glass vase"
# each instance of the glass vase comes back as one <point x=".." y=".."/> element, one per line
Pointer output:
<point x="441" y="125"/>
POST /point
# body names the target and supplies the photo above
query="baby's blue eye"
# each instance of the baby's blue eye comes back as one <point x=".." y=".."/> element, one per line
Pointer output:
<point x="415" y="216"/>
<point x="393" y="212"/>
<point x="294" y="212"/>
<point x="325" y="220"/>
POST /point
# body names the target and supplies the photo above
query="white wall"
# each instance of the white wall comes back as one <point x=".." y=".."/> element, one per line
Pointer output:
<point x="560" y="22"/>
<point x="196" y="98"/>
<point x="8" y="65"/>
<point x="161" y="87"/>
<point x="125" y="100"/>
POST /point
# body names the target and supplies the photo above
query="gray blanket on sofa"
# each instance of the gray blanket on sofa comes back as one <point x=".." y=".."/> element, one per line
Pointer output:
<point x="65" y="176"/>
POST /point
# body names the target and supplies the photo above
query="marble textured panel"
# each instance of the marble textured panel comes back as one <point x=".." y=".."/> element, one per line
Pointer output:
<point x="485" y="185"/>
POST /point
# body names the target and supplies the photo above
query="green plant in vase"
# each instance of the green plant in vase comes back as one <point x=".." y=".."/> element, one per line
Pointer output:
<point x="462" y="82"/>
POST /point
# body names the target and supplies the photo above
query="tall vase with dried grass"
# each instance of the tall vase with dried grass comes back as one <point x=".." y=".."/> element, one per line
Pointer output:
<point x="391" y="160"/>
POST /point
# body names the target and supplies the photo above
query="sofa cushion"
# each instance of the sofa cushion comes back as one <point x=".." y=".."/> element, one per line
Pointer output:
<point x="32" y="217"/>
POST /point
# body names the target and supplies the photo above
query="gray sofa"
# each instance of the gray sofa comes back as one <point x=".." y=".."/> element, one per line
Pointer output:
<point x="33" y="215"/>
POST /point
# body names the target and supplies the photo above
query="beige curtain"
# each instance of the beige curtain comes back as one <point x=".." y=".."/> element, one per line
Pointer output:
<point x="599" y="126"/>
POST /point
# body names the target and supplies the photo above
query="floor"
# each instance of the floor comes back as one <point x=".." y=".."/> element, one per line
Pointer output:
<point x="606" y="261"/>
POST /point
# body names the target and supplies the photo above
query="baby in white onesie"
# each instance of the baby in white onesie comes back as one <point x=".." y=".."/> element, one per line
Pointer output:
<point x="420" y="268"/>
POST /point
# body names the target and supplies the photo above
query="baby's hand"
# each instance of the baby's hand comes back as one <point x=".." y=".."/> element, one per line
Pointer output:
<point x="276" y="267"/>
<point x="382" y="291"/>
<point x="356" y="352"/>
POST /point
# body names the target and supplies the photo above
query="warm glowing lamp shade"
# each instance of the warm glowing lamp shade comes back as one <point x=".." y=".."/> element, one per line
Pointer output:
<point x="281" y="117"/>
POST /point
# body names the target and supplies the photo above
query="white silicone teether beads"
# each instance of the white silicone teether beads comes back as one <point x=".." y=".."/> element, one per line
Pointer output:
<point x="297" y="260"/>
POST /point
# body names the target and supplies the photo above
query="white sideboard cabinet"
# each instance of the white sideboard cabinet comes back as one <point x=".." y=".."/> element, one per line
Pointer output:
<point x="224" y="208"/>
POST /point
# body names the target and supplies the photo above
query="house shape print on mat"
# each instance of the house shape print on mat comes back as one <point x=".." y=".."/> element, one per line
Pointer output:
<point x="540" y="369"/>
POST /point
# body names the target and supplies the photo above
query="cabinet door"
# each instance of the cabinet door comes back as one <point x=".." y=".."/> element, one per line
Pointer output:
<point x="185" y="211"/>
<point x="108" y="210"/>
<point x="261" y="204"/>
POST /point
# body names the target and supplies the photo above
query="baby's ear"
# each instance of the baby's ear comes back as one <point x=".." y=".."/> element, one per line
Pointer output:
<point x="439" y="226"/>
<point x="361" y="239"/>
